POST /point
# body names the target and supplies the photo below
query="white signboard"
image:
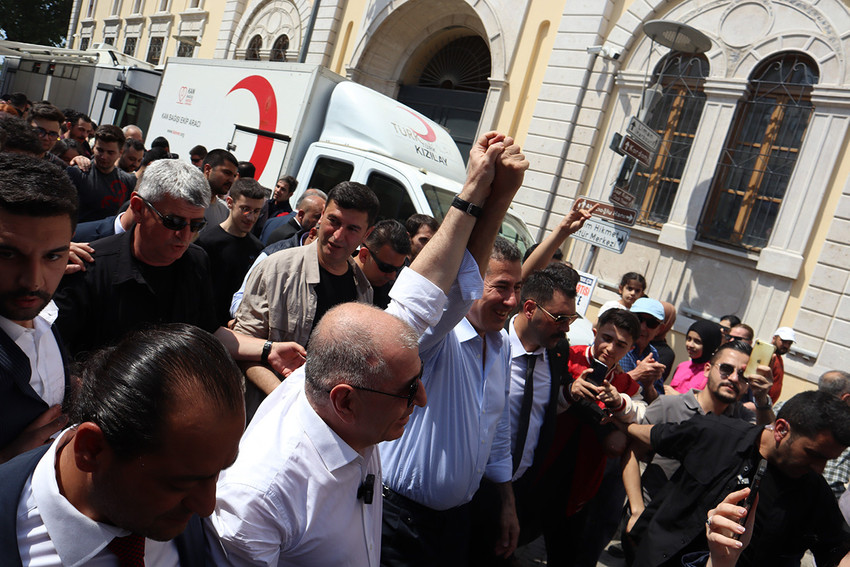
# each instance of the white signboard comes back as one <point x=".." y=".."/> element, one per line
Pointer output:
<point x="584" y="291"/>
<point x="604" y="234"/>
<point x="643" y="134"/>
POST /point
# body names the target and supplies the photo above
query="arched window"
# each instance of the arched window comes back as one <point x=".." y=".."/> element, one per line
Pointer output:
<point x="252" y="53"/>
<point x="463" y="64"/>
<point x="760" y="153"/>
<point x="675" y="116"/>
<point x="278" y="52"/>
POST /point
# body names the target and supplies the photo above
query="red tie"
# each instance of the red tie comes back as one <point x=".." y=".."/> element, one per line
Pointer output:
<point x="130" y="550"/>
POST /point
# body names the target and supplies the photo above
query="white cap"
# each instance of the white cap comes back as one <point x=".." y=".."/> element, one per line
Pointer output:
<point x="786" y="334"/>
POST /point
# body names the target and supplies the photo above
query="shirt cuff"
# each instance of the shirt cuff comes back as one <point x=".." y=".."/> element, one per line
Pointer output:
<point x="499" y="471"/>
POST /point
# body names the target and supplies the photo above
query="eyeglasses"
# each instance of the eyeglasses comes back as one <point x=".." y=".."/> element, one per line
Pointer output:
<point x="42" y="133"/>
<point x="172" y="222"/>
<point x="196" y="159"/>
<point x="648" y="320"/>
<point x="413" y="389"/>
<point x="558" y="319"/>
<point x="726" y="370"/>
<point x="383" y="266"/>
<point x="734" y="338"/>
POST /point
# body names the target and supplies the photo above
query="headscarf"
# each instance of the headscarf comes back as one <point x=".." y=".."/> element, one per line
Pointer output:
<point x="711" y="336"/>
<point x="667" y="323"/>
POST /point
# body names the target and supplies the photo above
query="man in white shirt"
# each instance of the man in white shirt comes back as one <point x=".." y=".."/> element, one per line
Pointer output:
<point x="38" y="211"/>
<point x="305" y="489"/>
<point x="157" y="418"/>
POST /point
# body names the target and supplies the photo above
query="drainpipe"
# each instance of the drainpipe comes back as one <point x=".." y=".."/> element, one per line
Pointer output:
<point x="72" y="25"/>
<point x="308" y="33"/>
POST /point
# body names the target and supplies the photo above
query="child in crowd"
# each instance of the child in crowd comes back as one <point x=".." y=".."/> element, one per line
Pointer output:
<point x="702" y="340"/>
<point x="632" y="287"/>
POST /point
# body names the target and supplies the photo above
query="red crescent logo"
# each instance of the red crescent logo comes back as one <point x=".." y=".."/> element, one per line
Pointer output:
<point x="429" y="135"/>
<point x="267" y="105"/>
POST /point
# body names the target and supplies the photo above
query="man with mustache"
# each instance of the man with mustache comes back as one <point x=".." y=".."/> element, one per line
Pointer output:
<point x="721" y="395"/>
<point x="38" y="212"/>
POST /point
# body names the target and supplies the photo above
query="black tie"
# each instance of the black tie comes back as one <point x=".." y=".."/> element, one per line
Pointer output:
<point x="525" y="410"/>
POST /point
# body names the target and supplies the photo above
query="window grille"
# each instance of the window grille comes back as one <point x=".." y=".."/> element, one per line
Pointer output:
<point x="253" y="51"/>
<point x="278" y="52"/>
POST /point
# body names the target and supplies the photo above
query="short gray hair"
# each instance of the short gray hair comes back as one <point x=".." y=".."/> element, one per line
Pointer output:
<point x="176" y="179"/>
<point x="311" y="193"/>
<point x="347" y="347"/>
<point x="835" y="382"/>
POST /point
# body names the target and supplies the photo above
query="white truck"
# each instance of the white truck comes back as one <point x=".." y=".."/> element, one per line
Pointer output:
<point x="306" y="121"/>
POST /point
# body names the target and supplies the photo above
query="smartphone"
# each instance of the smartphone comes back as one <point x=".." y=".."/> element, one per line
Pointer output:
<point x="754" y="490"/>
<point x="600" y="370"/>
<point x="762" y="351"/>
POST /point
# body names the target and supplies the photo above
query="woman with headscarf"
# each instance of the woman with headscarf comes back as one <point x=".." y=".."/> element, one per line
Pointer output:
<point x="702" y="340"/>
<point x="666" y="356"/>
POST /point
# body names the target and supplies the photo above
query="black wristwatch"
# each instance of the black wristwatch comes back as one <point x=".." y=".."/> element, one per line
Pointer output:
<point x="467" y="207"/>
<point x="267" y="348"/>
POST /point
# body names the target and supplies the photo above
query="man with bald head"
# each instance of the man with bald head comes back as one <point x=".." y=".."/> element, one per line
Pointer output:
<point x="134" y="132"/>
<point x="306" y="489"/>
<point x="837" y="471"/>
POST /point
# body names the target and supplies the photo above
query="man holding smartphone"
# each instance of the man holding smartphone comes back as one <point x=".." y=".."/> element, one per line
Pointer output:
<point x="796" y="508"/>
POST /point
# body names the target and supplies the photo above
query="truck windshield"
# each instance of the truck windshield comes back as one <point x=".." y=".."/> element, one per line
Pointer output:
<point x="328" y="172"/>
<point x="513" y="229"/>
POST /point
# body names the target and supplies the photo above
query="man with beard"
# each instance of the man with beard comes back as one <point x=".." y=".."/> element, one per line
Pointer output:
<point x="38" y="212"/>
<point x="796" y="510"/>
<point x="220" y="168"/>
<point x="721" y="395"/>
<point x="783" y="338"/>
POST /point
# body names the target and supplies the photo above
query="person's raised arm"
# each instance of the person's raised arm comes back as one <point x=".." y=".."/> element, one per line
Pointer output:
<point x="542" y="255"/>
<point x="440" y="259"/>
<point x="510" y="169"/>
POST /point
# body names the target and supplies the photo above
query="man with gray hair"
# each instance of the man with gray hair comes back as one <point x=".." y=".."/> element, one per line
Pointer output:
<point x="837" y="471"/>
<point x="150" y="274"/>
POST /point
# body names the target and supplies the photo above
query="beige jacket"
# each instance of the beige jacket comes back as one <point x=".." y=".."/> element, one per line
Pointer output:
<point x="280" y="298"/>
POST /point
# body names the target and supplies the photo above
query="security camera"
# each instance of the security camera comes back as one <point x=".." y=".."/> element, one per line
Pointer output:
<point x="605" y="51"/>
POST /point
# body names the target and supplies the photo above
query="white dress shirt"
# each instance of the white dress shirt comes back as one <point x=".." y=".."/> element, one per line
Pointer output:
<point x="291" y="497"/>
<point x="540" y="397"/>
<point x="47" y="373"/>
<point x="463" y="433"/>
<point x="52" y="533"/>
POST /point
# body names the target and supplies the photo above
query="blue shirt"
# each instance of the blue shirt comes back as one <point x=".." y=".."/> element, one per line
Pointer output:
<point x="463" y="433"/>
<point x="630" y="362"/>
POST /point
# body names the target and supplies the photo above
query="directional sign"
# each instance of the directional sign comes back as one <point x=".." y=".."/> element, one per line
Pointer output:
<point x="632" y="147"/>
<point x="604" y="235"/>
<point x="621" y="196"/>
<point x="621" y="215"/>
<point x="643" y="134"/>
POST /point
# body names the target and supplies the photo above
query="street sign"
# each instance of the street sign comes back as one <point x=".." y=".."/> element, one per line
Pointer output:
<point x="620" y="215"/>
<point x="632" y="147"/>
<point x="622" y="197"/>
<point x="643" y="134"/>
<point x="604" y="234"/>
<point x="584" y="291"/>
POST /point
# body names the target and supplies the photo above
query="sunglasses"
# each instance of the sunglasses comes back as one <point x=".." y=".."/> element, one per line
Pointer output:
<point x="172" y="222"/>
<point x="650" y="321"/>
<point x="383" y="266"/>
<point x="558" y="319"/>
<point x="42" y="133"/>
<point x="726" y="370"/>
<point x="411" y="393"/>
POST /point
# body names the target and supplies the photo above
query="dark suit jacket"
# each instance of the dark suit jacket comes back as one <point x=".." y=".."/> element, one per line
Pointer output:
<point x="276" y="223"/>
<point x="14" y="474"/>
<point x="95" y="230"/>
<point x="19" y="404"/>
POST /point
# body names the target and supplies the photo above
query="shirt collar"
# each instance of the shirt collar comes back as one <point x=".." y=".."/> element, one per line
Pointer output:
<point x="517" y="349"/>
<point x="76" y="537"/>
<point x="42" y="322"/>
<point x="334" y="452"/>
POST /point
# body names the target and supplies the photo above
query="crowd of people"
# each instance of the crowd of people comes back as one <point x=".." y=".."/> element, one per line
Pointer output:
<point x="415" y="394"/>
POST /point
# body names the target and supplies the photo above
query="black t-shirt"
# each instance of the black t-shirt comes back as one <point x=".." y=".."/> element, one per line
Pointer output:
<point x="230" y="258"/>
<point x="101" y="194"/>
<point x="333" y="290"/>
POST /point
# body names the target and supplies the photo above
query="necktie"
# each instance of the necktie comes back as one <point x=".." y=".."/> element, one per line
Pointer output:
<point x="525" y="410"/>
<point x="130" y="550"/>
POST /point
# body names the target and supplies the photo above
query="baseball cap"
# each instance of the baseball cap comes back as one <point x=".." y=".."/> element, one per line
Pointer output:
<point x="650" y="307"/>
<point x="784" y="333"/>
